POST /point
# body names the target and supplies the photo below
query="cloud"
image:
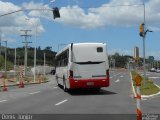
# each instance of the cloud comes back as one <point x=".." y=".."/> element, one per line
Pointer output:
<point x="76" y="16"/>
<point x="13" y="23"/>
<point x="111" y="14"/>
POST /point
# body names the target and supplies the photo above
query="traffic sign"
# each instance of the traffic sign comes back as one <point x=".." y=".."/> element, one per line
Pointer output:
<point x="138" y="80"/>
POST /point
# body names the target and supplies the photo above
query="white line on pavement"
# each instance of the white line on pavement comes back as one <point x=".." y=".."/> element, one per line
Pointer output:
<point x="34" y="92"/>
<point x="115" y="75"/>
<point x="117" y="80"/>
<point x="3" y="101"/>
<point x="154" y="77"/>
<point x="121" y="76"/>
<point x="143" y="99"/>
<point x="61" y="102"/>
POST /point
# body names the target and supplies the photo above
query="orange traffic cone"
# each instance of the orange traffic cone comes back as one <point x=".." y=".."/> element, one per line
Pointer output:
<point x="5" y="88"/>
<point x="21" y="85"/>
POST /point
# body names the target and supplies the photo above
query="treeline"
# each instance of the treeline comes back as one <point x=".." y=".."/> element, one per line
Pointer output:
<point x="49" y="56"/>
<point x="121" y="61"/>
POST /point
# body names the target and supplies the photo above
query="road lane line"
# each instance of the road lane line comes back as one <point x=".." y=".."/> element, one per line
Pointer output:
<point x="61" y="102"/>
<point x="3" y="101"/>
<point x="34" y="92"/>
<point x="115" y="75"/>
<point x="121" y="76"/>
<point x="154" y="77"/>
<point x="117" y="80"/>
<point x="143" y="98"/>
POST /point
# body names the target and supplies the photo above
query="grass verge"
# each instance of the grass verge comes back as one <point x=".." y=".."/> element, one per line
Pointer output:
<point x="148" y="88"/>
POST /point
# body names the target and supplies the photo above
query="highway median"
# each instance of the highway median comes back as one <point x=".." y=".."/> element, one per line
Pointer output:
<point x="148" y="87"/>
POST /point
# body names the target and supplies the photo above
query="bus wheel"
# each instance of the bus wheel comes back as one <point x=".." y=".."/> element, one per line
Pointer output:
<point x="57" y="80"/>
<point x="98" y="89"/>
<point x="64" y="86"/>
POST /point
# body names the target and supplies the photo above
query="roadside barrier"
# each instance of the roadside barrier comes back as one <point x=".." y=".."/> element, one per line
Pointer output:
<point x="21" y="78"/>
<point x="4" y="86"/>
<point x="138" y="80"/>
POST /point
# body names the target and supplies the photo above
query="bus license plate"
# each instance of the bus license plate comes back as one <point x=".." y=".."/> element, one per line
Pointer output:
<point x="90" y="83"/>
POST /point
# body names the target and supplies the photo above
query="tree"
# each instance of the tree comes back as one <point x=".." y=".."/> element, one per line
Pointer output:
<point x="49" y="48"/>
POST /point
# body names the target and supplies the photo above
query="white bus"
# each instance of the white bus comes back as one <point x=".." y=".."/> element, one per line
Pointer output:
<point x="82" y="65"/>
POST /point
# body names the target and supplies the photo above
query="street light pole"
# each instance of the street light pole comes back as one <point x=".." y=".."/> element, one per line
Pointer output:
<point x="0" y="41"/>
<point x="44" y="70"/>
<point x="143" y="33"/>
<point x="35" y="52"/>
<point x="15" y="60"/>
<point x="5" y="59"/>
<point x="144" y="59"/>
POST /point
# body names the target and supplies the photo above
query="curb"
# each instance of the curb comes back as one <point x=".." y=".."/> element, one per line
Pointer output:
<point x="143" y="96"/>
<point x="134" y="92"/>
<point x="25" y="84"/>
<point x="148" y="96"/>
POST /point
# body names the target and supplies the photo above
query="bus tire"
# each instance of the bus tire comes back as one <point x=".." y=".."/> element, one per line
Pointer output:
<point x="98" y="89"/>
<point x="64" y="85"/>
<point x="57" y="80"/>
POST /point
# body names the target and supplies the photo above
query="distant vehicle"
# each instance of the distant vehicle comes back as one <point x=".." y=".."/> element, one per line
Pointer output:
<point x="53" y="72"/>
<point x="158" y="70"/>
<point x="82" y="65"/>
<point x="152" y="70"/>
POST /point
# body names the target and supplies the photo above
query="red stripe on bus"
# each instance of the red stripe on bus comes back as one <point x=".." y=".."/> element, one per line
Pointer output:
<point x="82" y="83"/>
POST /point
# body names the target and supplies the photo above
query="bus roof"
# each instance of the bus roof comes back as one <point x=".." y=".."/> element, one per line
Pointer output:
<point x="78" y="44"/>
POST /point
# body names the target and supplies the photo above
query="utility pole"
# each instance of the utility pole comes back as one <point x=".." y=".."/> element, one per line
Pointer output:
<point x="44" y="70"/>
<point x="5" y="59"/>
<point x="0" y="42"/>
<point x="15" y="61"/>
<point x="26" y="35"/>
<point x="143" y="32"/>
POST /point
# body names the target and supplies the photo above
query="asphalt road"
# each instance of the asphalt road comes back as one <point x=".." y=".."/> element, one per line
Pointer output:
<point x="47" y="98"/>
<point x="154" y="76"/>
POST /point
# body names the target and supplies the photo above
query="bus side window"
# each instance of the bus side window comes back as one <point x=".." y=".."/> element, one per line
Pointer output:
<point x="99" y="49"/>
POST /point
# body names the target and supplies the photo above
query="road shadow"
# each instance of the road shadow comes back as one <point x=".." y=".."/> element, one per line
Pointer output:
<point x="91" y="91"/>
<point x="88" y="91"/>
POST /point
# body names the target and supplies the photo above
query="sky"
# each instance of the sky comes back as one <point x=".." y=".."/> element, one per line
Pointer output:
<point x="114" y="22"/>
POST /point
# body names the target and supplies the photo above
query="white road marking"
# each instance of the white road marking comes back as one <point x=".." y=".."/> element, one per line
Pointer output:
<point x="34" y="92"/>
<point x="146" y="74"/>
<point x="115" y="75"/>
<point x="117" y="80"/>
<point x="121" y="76"/>
<point x="3" y="101"/>
<point x="154" y="77"/>
<point x="143" y="99"/>
<point x="61" y="102"/>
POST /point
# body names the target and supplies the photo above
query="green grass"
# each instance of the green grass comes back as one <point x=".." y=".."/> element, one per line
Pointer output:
<point x="147" y="88"/>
